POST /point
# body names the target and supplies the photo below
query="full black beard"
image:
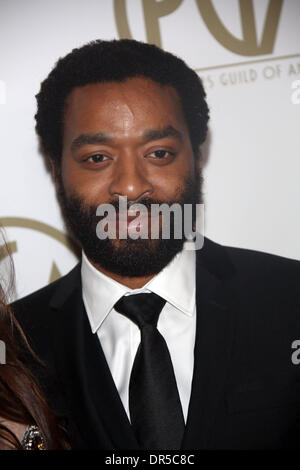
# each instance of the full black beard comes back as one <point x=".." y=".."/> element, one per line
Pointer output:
<point x="130" y="258"/>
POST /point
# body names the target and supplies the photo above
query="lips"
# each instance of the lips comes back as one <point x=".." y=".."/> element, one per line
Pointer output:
<point x="136" y="223"/>
<point x="133" y="221"/>
<point x="127" y="223"/>
<point x="129" y="218"/>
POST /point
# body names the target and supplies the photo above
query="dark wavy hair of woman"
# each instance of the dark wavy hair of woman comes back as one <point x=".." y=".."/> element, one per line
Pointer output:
<point x="21" y="400"/>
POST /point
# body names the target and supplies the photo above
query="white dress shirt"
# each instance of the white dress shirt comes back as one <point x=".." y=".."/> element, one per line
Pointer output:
<point x="120" y="337"/>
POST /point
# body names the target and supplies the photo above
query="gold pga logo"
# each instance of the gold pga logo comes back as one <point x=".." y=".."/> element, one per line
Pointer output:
<point x="153" y="10"/>
<point x="41" y="227"/>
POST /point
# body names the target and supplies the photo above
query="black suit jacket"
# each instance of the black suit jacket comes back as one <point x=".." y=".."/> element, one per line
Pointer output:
<point x="245" y="389"/>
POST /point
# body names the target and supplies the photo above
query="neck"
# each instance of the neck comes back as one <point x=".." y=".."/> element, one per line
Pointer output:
<point x="131" y="282"/>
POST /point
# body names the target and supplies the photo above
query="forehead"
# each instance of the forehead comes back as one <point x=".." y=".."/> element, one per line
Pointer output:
<point x="116" y="107"/>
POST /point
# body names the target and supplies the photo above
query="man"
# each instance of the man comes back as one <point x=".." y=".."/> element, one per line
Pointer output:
<point x="212" y="369"/>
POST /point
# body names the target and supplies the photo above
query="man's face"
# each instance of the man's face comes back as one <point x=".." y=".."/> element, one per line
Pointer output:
<point x="125" y="139"/>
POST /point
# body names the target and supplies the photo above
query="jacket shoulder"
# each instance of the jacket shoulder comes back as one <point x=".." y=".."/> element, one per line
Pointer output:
<point x="42" y="297"/>
<point x="265" y="279"/>
<point x="241" y="256"/>
<point x="253" y="271"/>
<point x="227" y="260"/>
<point x="264" y="265"/>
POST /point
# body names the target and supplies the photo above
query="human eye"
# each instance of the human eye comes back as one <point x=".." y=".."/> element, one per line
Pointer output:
<point x="96" y="158"/>
<point x="161" y="155"/>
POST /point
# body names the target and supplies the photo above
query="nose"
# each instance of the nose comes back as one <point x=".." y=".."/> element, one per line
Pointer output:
<point x="130" y="179"/>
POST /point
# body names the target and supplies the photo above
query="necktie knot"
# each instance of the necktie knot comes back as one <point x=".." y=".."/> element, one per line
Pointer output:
<point x="142" y="309"/>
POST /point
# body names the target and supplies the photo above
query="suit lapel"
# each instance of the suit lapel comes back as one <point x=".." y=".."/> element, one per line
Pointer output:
<point x="87" y="382"/>
<point x="90" y="391"/>
<point x="214" y="336"/>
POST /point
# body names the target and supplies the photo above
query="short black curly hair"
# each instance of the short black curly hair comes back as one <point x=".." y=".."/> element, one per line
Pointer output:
<point x="114" y="61"/>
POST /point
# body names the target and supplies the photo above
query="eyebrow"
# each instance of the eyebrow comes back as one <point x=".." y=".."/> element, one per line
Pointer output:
<point x="156" y="134"/>
<point x="103" y="138"/>
<point x="90" y="139"/>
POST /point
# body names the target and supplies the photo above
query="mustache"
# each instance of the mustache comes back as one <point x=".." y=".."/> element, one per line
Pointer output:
<point x="146" y="202"/>
<point x="71" y="204"/>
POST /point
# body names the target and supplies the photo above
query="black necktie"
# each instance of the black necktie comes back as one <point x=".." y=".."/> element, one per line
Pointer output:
<point x="154" y="404"/>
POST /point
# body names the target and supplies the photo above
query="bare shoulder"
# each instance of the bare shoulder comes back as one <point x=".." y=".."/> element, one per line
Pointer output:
<point x="16" y="428"/>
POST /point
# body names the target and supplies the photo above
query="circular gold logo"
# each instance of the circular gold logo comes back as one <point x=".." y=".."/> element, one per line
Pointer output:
<point x="46" y="229"/>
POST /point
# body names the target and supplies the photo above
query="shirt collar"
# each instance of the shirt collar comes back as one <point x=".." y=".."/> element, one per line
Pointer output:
<point x="175" y="283"/>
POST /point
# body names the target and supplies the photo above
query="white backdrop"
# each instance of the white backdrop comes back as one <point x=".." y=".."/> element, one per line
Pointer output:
<point x="248" y="54"/>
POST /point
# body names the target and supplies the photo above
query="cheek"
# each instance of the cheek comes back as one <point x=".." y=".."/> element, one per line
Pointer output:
<point x="175" y="176"/>
<point x="87" y="185"/>
<point x="171" y="187"/>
